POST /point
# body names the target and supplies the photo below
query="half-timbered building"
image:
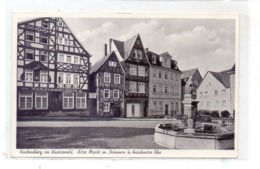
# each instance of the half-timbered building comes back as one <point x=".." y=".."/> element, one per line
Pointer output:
<point x="52" y="68"/>
<point x="107" y="78"/>
<point x="136" y="66"/>
<point x="165" y="85"/>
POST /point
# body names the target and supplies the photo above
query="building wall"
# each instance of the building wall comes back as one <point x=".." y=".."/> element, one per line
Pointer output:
<point x="232" y="98"/>
<point x="51" y="91"/>
<point x="173" y="96"/>
<point x="212" y="101"/>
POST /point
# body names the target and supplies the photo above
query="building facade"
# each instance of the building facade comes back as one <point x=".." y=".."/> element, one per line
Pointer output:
<point x="217" y="91"/>
<point x="107" y="78"/>
<point x="52" y="68"/>
<point x="165" y="85"/>
<point x="136" y="66"/>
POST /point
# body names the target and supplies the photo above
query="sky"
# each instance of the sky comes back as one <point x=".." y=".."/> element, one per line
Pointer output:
<point x="206" y="44"/>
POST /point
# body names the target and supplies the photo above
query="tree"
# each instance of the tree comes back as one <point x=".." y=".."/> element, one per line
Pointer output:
<point x="215" y="114"/>
<point x="225" y="114"/>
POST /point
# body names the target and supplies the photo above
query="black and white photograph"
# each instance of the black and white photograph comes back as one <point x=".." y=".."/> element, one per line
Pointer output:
<point x="139" y="85"/>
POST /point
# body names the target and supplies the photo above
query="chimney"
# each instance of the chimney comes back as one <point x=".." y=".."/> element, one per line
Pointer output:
<point x="105" y="48"/>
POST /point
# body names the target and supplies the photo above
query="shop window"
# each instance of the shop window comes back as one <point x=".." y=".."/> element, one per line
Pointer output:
<point x="81" y="101"/>
<point x="41" y="100"/>
<point x="68" y="100"/>
<point x="25" y="100"/>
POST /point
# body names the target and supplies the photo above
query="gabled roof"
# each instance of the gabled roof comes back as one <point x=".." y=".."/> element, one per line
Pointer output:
<point x="224" y="76"/>
<point x="188" y="73"/>
<point x="99" y="63"/>
<point x="125" y="48"/>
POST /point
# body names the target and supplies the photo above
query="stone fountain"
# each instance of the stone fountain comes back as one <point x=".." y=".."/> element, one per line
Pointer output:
<point x="187" y="136"/>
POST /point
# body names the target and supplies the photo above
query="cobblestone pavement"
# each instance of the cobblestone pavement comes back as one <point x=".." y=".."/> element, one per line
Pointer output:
<point x="122" y="134"/>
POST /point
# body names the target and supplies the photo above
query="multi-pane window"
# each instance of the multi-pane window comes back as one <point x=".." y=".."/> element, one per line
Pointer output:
<point x="45" y="24"/>
<point x="201" y="94"/>
<point x="166" y="89"/>
<point x="172" y="90"/>
<point x="133" y="69"/>
<point x="68" y="78"/>
<point x="29" y="54"/>
<point x="171" y="76"/>
<point x="29" y="36"/>
<point x="154" y="106"/>
<point x="28" y="75"/>
<point x="112" y="63"/>
<point x="66" y="41"/>
<point x="208" y="104"/>
<point x="177" y="91"/>
<point x="160" y="106"/>
<point x="43" y="76"/>
<point x="81" y="100"/>
<point x="154" y="88"/>
<point x="206" y="93"/>
<point x="76" y="60"/>
<point x="61" y="57"/>
<point x="41" y="100"/>
<point x="69" y="59"/>
<point x="216" y="92"/>
<point x="166" y="75"/>
<point x="60" y="40"/>
<point x="117" y="78"/>
<point x="141" y="87"/>
<point x="60" y="77"/>
<point x="132" y="86"/>
<point x="68" y="100"/>
<point x="25" y="100"/>
<point x="75" y="79"/>
<point x="106" y="93"/>
<point x="44" y="56"/>
<point x="141" y="70"/>
<point x="107" y="77"/>
<point x="154" y="73"/>
<point x="176" y="106"/>
<point x="224" y="103"/>
<point x="63" y="41"/>
<point x="116" y="93"/>
<point x="106" y="107"/>
<point x="160" y="88"/>
<point x="44" y="38"/>
<point x="176" y="77"/>
<point x="160" y="74"/>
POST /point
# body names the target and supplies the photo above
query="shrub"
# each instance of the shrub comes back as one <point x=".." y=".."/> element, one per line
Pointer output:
<point x="204" y="113"/>
<point x="215" y="114"/>
<point x="225" y="114"/>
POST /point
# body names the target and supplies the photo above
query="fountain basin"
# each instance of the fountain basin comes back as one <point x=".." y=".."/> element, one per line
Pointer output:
<point x="203" y="141"/>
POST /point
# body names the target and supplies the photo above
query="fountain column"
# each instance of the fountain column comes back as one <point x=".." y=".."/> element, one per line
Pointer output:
<point x="188" y="112"/>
